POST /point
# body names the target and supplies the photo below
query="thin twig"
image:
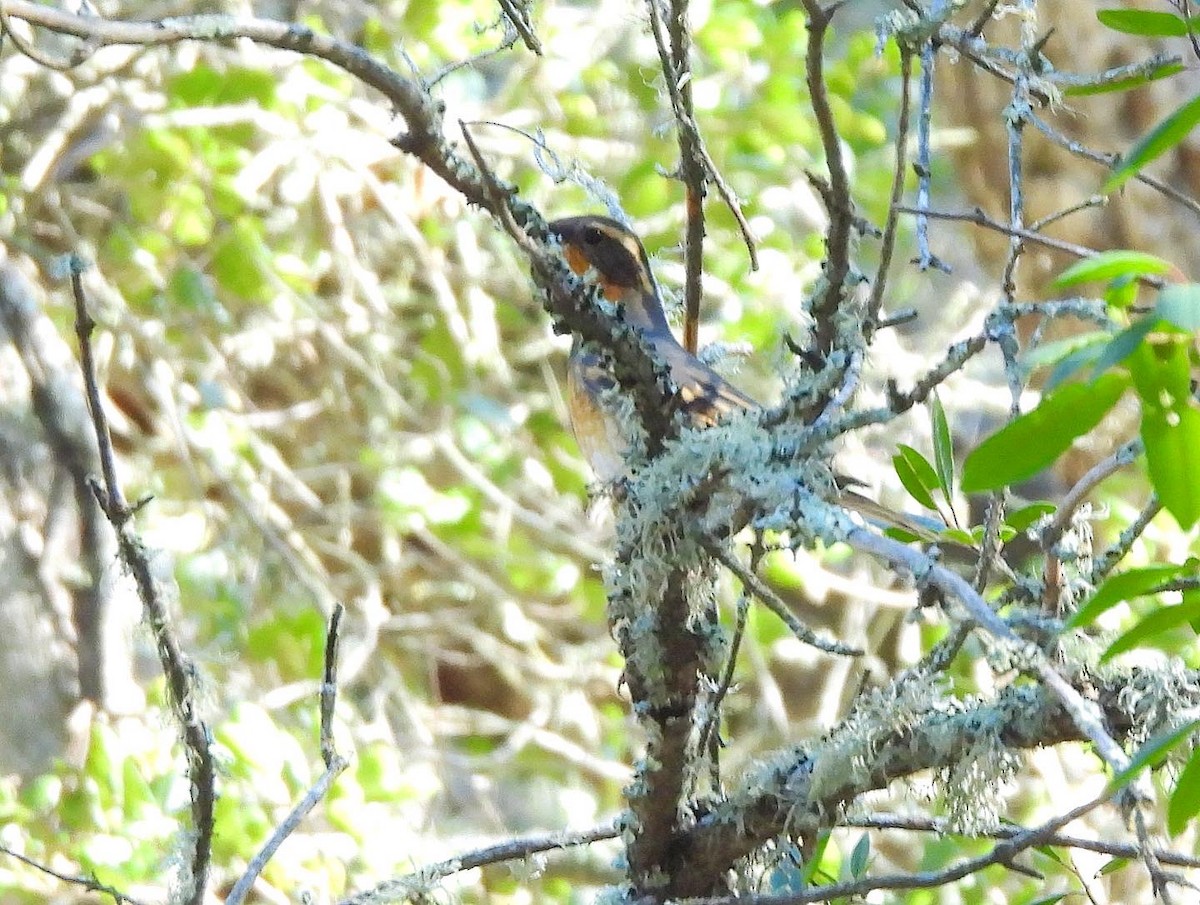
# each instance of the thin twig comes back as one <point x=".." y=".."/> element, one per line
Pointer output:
<point x="334" y="765"/>
<point x="677" y="73"/>
<point x="518" y="17"/>
<point x="923" y="166"/>
<point x="1107" y="466"/>
<point x="1003" y="853"/>
<point x="888" y="244"/>
<point x="775" y="604"/>
<point x="511" y="36"/>
<point x="956" y="358"/>
<point x="1014" y="127"/>
<point x="419" y="882"/>
<point x="88" y="883"/>
<point x="1086" y="204"/>
<point x="80" y="55"/>
<point x="113" y="501"/>
<point x="827" y="304"/>
<point x="1111" y="162"/>
<point x="1108" y="560"/>
<point x="329" y="684"/>
<point x="422" y="114"/>
<point x="1007" y="831"/>
<point x="1159" y="881"/>
<point x="985" y="16"/>
<point x="696" y="167"/>
<point x="978" y="217"/>
<point x="718" y="697"/>
<point x="176" y="665"/>
<point x="314" y="795"/>
<point x="950" y="584"/>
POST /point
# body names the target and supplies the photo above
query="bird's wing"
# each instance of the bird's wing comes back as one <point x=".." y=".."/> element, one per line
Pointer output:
<point x="704" y="395"/>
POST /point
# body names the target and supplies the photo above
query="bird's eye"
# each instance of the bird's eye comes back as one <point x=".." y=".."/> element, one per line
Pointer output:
<point x="592" y="236"/>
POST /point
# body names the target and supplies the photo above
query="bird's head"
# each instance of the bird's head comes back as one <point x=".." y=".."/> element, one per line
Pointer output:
<point x="616" y="256"/>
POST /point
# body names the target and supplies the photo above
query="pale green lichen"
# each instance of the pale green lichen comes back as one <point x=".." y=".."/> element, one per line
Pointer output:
<point x="1159" y="695"/>
<point x="972" y="788"/>
<point x="848" y="756"/>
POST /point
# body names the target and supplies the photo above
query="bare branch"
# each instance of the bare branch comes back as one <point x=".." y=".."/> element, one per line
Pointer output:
<point x="517" y="14"/>
<point x="334" y="765"/>
<point x="176" y="665"/>
<point x="1000" y="854"/>
<point x="841" y="207"/>
<point x="887" y="246"/>
<point x="775" y="604"/>
<point x="1007" y="831"/>
<point x="88" y="883"/>
<point x="696" y="166"/>
<point x="511" y="850"/>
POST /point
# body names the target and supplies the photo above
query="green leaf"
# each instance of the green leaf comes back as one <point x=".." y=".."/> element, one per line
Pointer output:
<point x="1133" y="81"/>
<point x="1122" y="292"/>
<point x="1031" y="442"/>
<point x="1173" y="456"/>
<point x="916" y="474"/>
<point x="1162" y="366"/>
<point x="1161" y="372"/>
<point x="1192" y="597"/>
<point x="1151" y="754"/>
<point x="1166" y="135"/>
<point x="1070" y="367"/>
<point x="813" y="864"/>
<point x="1111" y="867"/>
<point x="1052" y="898"/>
<point x="1049" y="851"/>
<point x="1158" y="622"/>
<point x="190" y="288"/>
<point x="1123" y="345"/>
<point x="205" y="86"/>
<point x="1054" y="351"/>
<point x="959" y="536"/>
<point x="239" y="261"/>
<point x="1147" y="23"/>
<point x="1021" y="519"/>
<point x="1179" y="304"/>
<point x="860" y="856"/>
<point x="943" y="446"/>
<point x="1109" y="265"/>
<point x="905" y="537"/>
<point x="1122" y="587"/>
<point x="1184" y="803"/>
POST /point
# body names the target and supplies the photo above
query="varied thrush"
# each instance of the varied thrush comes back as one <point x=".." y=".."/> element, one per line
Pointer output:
<point x="614" y="256"/>
<point x="621" y="268"/>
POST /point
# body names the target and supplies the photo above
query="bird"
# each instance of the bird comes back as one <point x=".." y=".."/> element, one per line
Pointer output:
<point x="606" y="251"/>
<point x="618" y="259"/>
